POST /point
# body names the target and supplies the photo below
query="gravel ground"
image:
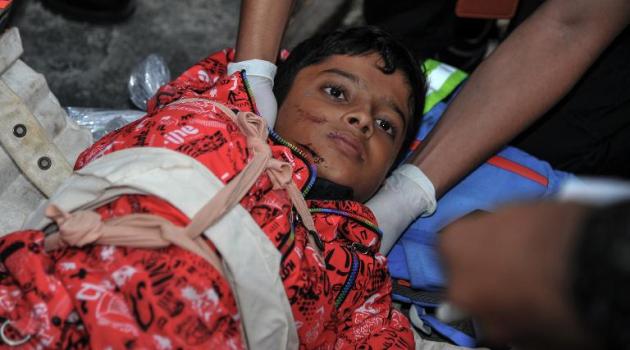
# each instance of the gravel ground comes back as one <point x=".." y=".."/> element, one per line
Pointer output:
<point x="88" y="65"/>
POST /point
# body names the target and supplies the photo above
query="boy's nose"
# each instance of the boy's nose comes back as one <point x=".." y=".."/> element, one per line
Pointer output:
<point x="361" y="121"/>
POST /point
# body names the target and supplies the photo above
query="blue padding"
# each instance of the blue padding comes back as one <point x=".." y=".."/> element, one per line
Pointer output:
<point x="398" y="262"/>
<point x="425" y="271"/>
<point x="414" y="257"/>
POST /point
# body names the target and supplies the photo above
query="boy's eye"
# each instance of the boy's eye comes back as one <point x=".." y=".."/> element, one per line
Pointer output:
<point x="385" y="126"/>
<point x="335" y="92"/>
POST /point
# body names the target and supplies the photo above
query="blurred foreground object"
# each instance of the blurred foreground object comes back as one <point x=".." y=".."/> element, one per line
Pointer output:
<point x="510" y="271"/>
<point x="547" y="275"/>
<point x="38" y="142"/>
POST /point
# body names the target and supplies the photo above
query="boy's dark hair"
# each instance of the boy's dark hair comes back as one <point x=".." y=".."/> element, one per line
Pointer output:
<point x="355" y="42"/>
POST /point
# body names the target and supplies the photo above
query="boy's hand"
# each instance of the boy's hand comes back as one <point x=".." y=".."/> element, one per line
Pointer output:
<point x="510" y="270"/>
<point x="260" y="75"/>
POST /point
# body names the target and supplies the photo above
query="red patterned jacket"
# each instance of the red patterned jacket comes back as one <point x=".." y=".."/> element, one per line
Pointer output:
<point x="118" y="297"/>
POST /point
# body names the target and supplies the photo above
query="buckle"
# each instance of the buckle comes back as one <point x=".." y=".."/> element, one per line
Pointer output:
<point x="8" y="341"/>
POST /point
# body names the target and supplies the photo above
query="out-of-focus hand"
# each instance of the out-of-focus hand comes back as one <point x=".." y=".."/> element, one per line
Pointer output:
<point x="510" y="270"/>
<point x="260" y="75"/>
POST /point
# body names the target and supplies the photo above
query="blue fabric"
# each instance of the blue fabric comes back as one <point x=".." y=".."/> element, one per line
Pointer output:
<point x="414" y="257"/>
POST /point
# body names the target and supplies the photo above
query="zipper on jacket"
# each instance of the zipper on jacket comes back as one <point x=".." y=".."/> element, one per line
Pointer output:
<point x="354" y="247"/>
<point x="352" y="277"/>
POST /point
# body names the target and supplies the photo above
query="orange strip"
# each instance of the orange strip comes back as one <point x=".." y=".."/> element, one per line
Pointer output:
<point x="506" y="164"/>
<point x="404" y="283"/>
<point x="5" y="3"/>
<point x="518" y="169"/>
<point x="414" y="145"/>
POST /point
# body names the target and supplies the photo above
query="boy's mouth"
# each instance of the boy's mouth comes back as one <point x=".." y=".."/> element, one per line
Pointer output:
<point x="348" y="145"/>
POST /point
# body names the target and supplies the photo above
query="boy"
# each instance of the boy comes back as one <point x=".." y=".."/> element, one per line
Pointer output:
<point x="349" y="105"/>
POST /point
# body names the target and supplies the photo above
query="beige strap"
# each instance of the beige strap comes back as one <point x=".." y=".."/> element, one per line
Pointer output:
<point x="151" y="231"/>
<point x="138" y="230"/>
<point x="24" y="139"/>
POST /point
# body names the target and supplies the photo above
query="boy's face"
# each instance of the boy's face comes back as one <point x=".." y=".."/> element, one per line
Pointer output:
<point x="351" y="116"/>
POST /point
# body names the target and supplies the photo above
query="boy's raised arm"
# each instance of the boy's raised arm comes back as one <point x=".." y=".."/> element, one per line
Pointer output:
<point x="260" y="32"/>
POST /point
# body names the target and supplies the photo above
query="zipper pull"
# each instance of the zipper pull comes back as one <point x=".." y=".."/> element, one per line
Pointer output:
<point x="317" y="240"/>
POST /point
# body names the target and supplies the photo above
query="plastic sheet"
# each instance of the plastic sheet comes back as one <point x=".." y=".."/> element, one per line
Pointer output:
<point x="146" y="78"/>
<point x="144" y="81"/>
<point x="102" y="121"/>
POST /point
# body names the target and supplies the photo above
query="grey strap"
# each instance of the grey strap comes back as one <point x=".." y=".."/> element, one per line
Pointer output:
<point x="23" y="138"/>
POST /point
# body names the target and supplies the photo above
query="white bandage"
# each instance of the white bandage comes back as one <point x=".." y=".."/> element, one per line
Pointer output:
<point x="260" y="74"/>
<point x="407" y="194"/>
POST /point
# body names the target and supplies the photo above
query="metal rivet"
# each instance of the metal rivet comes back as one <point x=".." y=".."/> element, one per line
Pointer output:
<point x="19" y="130"/>
<point x="44" y="163"/>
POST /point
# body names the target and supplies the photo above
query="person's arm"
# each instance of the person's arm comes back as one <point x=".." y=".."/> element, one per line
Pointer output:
<point x="261" y="27"/>
<point x="529" y="72"/>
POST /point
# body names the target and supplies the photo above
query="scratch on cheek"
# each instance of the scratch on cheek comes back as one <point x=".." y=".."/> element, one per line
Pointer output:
<point x="306" y="115"/>
<point x="317" y="159"/>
